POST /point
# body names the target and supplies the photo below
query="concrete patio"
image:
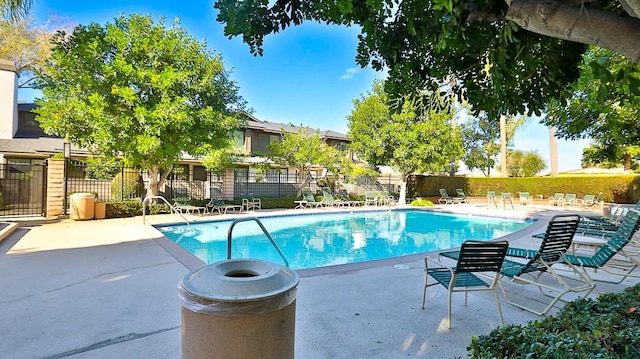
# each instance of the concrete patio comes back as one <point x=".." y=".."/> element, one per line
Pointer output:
<point x="107" y="289"/>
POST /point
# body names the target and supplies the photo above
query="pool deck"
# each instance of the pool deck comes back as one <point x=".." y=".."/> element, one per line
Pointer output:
<point x="107" y="289"/>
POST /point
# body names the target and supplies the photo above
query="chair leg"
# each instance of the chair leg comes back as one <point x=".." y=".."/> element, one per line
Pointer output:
<point x="449" y="315"/>
<point x="495" y="291"/>
<point x="424" y="291"/>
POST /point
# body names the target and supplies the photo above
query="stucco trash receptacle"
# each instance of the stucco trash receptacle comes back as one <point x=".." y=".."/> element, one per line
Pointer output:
<point x="100" y="210"/>
<point x="238" y="309"/>
<point x="82" y="206"/>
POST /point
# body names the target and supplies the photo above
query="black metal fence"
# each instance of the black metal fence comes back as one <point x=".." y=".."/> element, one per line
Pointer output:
<point x="187" y="183"/>
<point x="23" y="190"/>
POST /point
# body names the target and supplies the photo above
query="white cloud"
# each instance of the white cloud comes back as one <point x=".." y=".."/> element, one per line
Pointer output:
<point x="349" y="74"/>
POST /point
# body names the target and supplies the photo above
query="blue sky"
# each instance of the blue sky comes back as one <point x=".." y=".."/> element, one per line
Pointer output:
<point x="307" y="75"/>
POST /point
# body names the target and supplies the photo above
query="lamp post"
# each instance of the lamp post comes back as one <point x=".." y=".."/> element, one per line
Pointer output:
<point x="67" y="154"/>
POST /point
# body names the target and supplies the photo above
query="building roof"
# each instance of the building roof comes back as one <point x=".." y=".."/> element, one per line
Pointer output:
<point x="26" y="142"/>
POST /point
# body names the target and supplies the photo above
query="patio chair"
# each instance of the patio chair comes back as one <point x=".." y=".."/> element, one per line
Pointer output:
<point x="308" y="201"/>
<point x="329" y="201"/>
<point x="475" y="257"/>
<point x="344" y="196"/>
<point x="557" y="240"/>
<point x="185" y="207"/>
<point x="587" y="201"/>
<point x="386" y="199"/>
<point x="461" y="196"/>
<point x="221" y="207"/>
<point x="371" y="198"/>
<point x="570" y="199"/>
<point x="491" y="198"/>
<point x="628" y="255"/>
<point x="251" y="204"/>
<point x="524" y="198"/>
<point x="557" y="199"/>
<point x="553" y="250"/>
<point x="445" y="199"/>
<point x="507" y="198"/>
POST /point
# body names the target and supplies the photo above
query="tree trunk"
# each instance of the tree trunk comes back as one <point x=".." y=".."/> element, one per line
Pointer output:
<point x="503" y="145"/>
<point x="627" y="162"/>
<point x="403" y="189"/>
<point x="156" y="181"/>
<point x="553" y="151"/>
<point x="579" y="24"/>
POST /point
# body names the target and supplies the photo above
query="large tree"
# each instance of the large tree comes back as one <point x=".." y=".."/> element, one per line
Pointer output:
<point x="303" y="150"/>
<point x="604" y="105"/>
<point x="137" y="89"/>
<point x="406" y="141"/>
<point x="503" y="56"/>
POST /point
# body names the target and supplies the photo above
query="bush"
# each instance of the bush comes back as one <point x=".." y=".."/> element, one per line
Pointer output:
<point x="117" y="209"/>
<point x="618" y="188"/>
<point x="131" y="187"/>
<point x="607" y="327"/>
<point x="421" y="203"/>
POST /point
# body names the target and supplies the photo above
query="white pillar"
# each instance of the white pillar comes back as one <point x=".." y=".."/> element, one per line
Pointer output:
<point x="8" y="99"/>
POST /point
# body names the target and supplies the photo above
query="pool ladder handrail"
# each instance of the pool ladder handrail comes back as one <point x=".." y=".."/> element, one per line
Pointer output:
<point x="172" y="208"/>
<point x="264" y="230"/>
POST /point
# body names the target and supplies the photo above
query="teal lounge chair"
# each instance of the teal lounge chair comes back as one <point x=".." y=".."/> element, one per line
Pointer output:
<point x="344" y="197"/>
<point x="557" y="199"/>
<point x="628" y="256"/>
<point x="557" y="240"/>
<point x="524" y="198"/>
<point x="446" y="199"/>
<point x="474" y="257"/>
<point x="491" y="198"/>
<point x="329" y="201"/>
<point x="308" y="201"/>
<point x="461" y="196"/>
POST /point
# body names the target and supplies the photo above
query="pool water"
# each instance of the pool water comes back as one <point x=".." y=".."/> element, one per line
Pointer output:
<point x="324" y="239"/>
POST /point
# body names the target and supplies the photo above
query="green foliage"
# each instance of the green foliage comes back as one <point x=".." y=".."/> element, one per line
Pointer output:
<point x="304" y="149"/>
<point x="421" y="203"/>
<point x="472" y="45"/>
<point x="119" y="209"/>
<point x="102" y="168"/>
<point x="604" y="105"/>
<point x="137" y="89"/>
<point x="127" y="184"/>
<point x="524" y="164"/>
<point x="158" y="208"/>
<point x="608" y="327"/>
<point x="618" y="189"/>
<point x="406" y="141"/>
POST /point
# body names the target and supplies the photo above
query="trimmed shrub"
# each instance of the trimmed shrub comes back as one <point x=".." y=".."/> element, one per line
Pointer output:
<point x="127" y="184"/>
<point x="606" y="327"/>
<point x="618" y="188"/>
<point x="421" y="203"/>
<point x="118" y="209"/>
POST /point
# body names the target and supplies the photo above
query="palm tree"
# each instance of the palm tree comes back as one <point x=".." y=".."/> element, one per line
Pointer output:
<point x="15" y="9"/>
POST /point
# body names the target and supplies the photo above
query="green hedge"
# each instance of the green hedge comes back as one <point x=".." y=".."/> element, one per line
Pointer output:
<point x="619" y="188"/>
<point x="607" y="327"/>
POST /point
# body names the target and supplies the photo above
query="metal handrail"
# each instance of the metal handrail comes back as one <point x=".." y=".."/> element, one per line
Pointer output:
<point x="171" y="207"/>
<point x="264" y="230"/>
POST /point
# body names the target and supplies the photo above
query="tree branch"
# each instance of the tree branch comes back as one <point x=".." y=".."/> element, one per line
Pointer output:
<point x="579" y="24"/>
<point x="632" y="7"/>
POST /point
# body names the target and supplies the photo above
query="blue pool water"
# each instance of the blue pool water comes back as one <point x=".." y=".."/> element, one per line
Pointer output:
<point x="324" y="239"/>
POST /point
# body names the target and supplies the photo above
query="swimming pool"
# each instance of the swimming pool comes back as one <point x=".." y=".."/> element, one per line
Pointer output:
<point x="324" y="239"/>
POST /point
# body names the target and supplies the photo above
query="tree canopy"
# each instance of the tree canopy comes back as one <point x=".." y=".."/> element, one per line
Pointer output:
<point x="502" y="56"/>
<point x="407" y="141"/>
<point x="15" y="9"/>
<point x="302" y="150"/>
<point x="136" y="89"/>
<point x="604" y="105"/>
<point x="27" y="45"/>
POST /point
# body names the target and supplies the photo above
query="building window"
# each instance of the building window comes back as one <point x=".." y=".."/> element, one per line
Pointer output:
<point x="199" y="173"/>
<point x="241" y="174"/>
<point x="264" y="140"/>
<point x="238" y="139"/>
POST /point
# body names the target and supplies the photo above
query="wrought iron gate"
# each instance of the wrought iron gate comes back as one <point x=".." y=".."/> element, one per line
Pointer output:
<point x="23" y="190"/>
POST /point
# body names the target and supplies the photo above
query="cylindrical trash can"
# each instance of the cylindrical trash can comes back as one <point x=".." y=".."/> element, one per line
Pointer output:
<point x="239" y="309"/>
<point x="100" y="210"/>
<point x="82" y="206"/>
